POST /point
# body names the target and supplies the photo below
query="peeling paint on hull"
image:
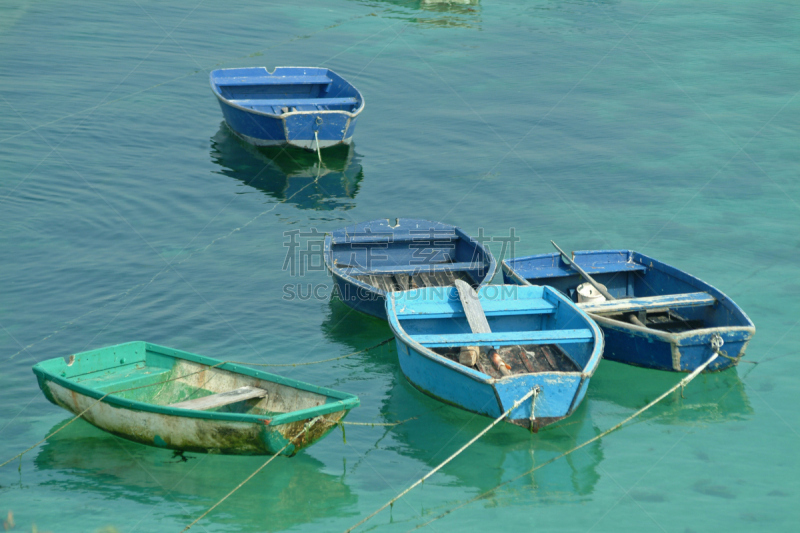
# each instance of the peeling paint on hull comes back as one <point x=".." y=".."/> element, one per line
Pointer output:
<point x="142" y="413"/>
<point x="189" y="434"/>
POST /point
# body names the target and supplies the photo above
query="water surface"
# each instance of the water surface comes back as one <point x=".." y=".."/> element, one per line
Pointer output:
<point x="129" y="212"/>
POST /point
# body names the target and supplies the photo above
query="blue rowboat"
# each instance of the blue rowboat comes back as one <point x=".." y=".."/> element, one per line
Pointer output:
<point x="681" y="314"/>
<point x="542" y="338"/>
<point x="303" y="106"/>
<point x="172" y="399"/>
<point x="371" y="259"/>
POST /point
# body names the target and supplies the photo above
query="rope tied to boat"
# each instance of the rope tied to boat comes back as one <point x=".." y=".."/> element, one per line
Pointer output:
<point x="519" y="402"/>
<point x="317" y="124"/>
<point x="716" y="344"/>
<point x="533" y="406"/>
<point x="682" y="383"/>
<point x="308" y="425"/>
<point x="385" y="424"/>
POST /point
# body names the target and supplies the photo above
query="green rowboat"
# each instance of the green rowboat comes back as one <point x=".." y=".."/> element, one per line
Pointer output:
<point x="173" y="399"/>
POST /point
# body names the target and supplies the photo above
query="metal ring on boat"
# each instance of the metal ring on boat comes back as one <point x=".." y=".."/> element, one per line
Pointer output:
<point x="716" y="342"/>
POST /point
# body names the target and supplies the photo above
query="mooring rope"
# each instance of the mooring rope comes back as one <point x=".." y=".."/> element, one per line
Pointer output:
<point x="682" y="383"/>
<point x="79" y="415"/>
<point x="306" y="427"/>
<point x="319" y="154"/>
<point x="380" y="423"/>
<point x="533" y="392"/>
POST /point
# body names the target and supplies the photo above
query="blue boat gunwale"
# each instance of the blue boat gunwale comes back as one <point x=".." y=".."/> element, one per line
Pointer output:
<point x="586" y="372"/>
<point x="351" y="115"/>
<point x="345" y="401"/>
<point x="340" y="272"/>
<point x="648" y="262"/>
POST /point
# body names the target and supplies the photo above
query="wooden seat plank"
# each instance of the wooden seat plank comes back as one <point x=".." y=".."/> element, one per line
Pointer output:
<point x="290" y="102"/>
<point x="238" y="81"/>
<point x="427" y="268"/>
<point x="451" y="309"/>
<point x="223" y="398"/>
<point x="649" y="303"/>
<point x="440" y="237"/>
<point x="562" y="336"/>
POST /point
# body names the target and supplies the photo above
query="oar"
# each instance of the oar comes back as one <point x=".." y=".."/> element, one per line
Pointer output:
<point x="600" y="288"/>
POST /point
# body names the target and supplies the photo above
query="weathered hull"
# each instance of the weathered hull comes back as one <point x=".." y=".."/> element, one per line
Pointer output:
<point x="626" y="273"/>
<point x="360" y="297"/>
<point x="296" y="129"/>
<point x="306" y="107"/>
<point x="189" y="434"/>
<point x="675" y="352"/>
<point x="134" y="391"/>
<point x="472" y="391"/>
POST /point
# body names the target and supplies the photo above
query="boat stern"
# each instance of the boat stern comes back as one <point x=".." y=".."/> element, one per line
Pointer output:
<point x="306" y="129"/>
<point x="557" y="396"/>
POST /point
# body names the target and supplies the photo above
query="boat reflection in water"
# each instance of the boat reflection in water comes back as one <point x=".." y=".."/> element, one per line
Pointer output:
<point x="710" y="397"/>
<point x="290" y="174"/>
<point x="503" y="453"/>
<point x="82" y="459"/>
<point x="440" y="13"/>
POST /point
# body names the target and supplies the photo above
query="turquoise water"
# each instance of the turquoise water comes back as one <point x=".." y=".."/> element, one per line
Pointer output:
<point x="128" y="212"/>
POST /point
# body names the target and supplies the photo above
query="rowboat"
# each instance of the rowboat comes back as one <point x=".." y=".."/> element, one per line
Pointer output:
<point x="172" y="399"/>
<point x="484" y="351"/>
<point x="371" y="259"/>
<point x="302" y="106"/>
<point x="679" y="315"/>
<point x="500" y="451"/>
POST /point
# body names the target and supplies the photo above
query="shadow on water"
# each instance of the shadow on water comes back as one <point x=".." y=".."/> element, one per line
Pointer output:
<point x="291" y="174"/>
<point x="503" y="453"/>
<point x="82" y="459"/>
<point x="440" y="13"/>
<point x="354" y="329"/>
<point x="713" y="397"/>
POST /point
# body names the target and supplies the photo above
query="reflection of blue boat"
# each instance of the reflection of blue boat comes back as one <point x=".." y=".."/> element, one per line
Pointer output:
<point x="500" y="452"/>
<point x="681" y="314"/>
<point x="543" y="341"/>
<point x="715" y="397"/>
<point x="305" y="107"/>
<point x="370" y="259"/>
<point x="290" y="174"/>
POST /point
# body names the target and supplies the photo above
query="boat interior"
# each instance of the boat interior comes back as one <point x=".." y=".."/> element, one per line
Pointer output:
<point x="519" y="359"/>
<point x="134" y="373"/>
<point x="651" y="292"/>
<point x="403" y="282"/>
<point x="396" y="263"/>
<point x="528" y="328"/>
<point x="286" y="90"/>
